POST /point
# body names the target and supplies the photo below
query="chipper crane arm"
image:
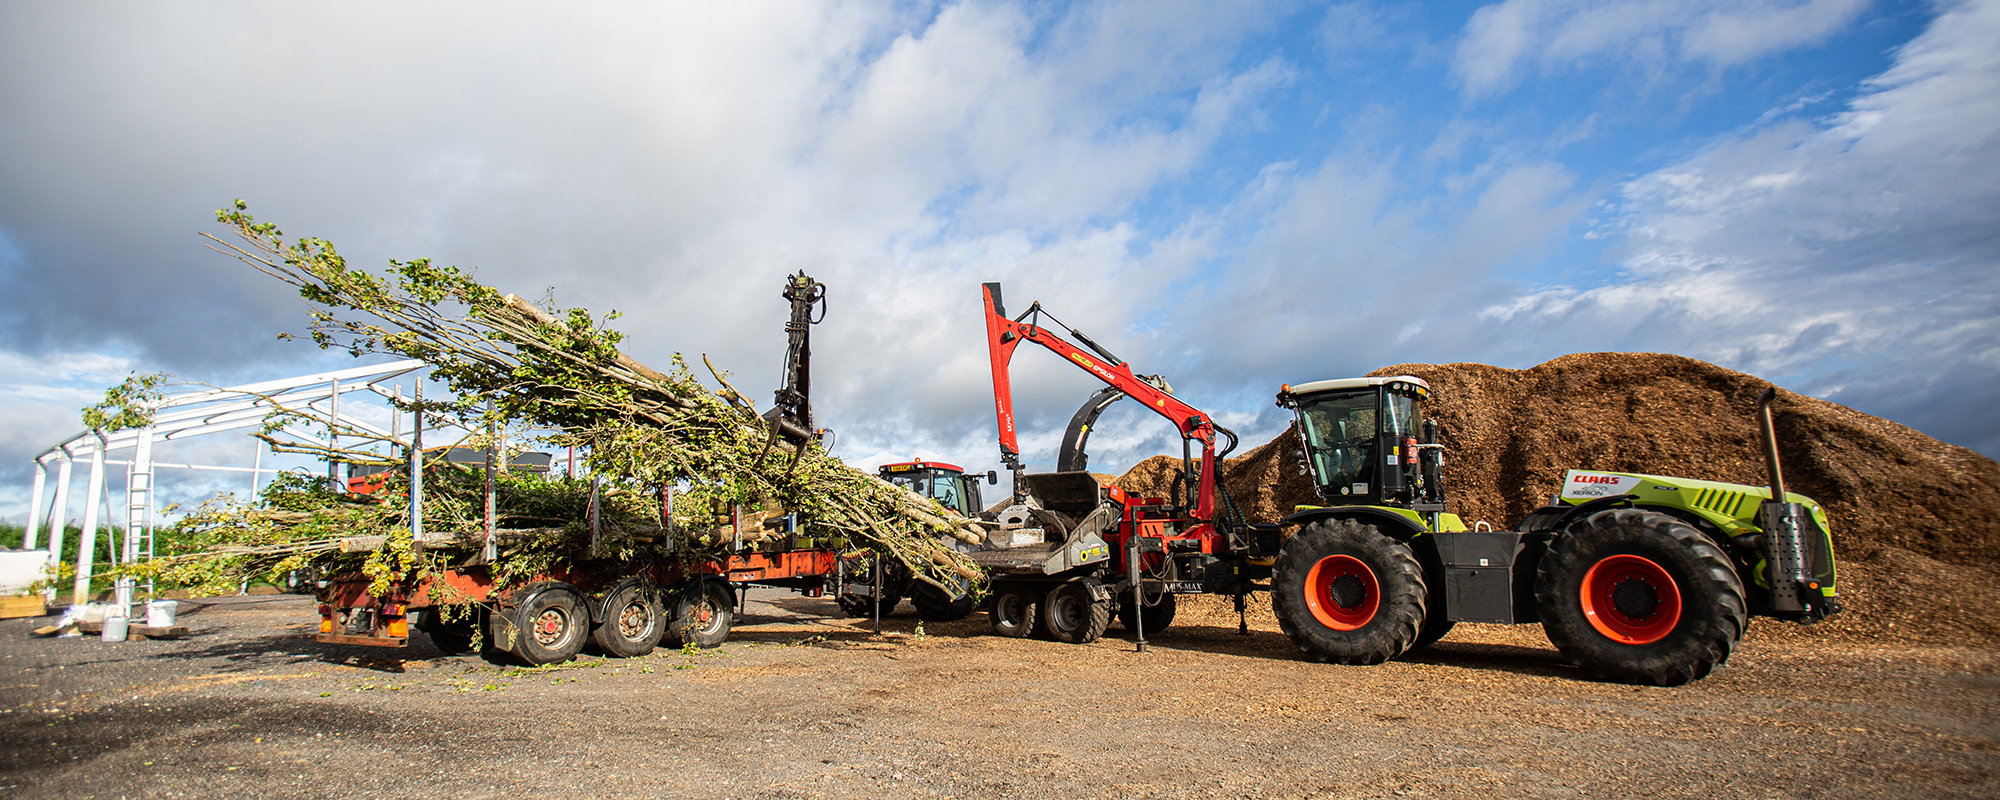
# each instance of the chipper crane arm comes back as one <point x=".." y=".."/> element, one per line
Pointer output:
<point x="1004" y="334"/>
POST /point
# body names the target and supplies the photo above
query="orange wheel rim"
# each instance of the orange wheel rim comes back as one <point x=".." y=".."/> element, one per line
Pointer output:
<point x="1631" y="600"/>
<point x="1342" y="592"/>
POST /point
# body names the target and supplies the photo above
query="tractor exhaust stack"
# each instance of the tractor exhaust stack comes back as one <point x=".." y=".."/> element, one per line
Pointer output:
<point x="1784" y="538"/>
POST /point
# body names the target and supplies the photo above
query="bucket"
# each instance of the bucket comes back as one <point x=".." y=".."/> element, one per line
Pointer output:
<point x="115" y="628"/>
<point x="160" y="613"/>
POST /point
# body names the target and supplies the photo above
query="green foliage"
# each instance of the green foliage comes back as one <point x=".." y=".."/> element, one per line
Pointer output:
<point x="298" y="491"/>
<point x="126" y="406"/>
<point x="507" y="361"/>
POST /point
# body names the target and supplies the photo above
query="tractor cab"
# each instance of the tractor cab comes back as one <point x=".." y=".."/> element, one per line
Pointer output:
<point x="945" y="483"/>
<point x="1366" y="442"/>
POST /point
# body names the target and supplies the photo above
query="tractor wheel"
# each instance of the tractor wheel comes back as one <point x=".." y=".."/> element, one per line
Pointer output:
<point x="1157" y="616"/>
<point x="553" y="626"/>
<point x="633" y="622"/>
<point x="935" y="605"/>
<point x="1072" y="613"/>
<point x="1347" y="594"/>
<point x="703" y="614"/>
<point x="861" y="572"/>
<point x="1436" y="625"/>
<point x="855" y="605"/>
<point x="1639" y="597"/>
<point x="1437" y="619"/>
<point x="1014" y="609"/>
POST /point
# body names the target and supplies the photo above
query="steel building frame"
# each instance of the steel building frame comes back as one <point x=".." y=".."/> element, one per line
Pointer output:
<point x="184" y="416"/>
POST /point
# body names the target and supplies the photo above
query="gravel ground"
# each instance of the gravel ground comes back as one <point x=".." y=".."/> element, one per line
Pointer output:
<point x="797" y="705"/>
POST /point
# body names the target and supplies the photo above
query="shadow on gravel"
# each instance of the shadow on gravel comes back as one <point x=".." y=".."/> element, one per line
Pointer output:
<point x="1510" y="659"/>
<point x="171" y="731"/>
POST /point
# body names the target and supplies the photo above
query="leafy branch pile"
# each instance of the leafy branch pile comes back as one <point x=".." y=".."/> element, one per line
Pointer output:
<point x="507" y="361"/>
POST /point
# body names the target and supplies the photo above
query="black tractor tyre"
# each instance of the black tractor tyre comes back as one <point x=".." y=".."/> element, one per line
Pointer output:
<point x="1014" y="610"/>
<point x="936" y="605"/>
<point x="633" y="622"/>
<point x="703" y="615"/>
<point x="862" y="606"/>
<point x="1072" y="613"/>
<point x="1348" y="594"/>
<point x="551" y="627"/>
<point x="1437" y="617"/>
<point x="1636" y="596"/>
<point x="1157" y="616"/>
<point x="861" y="571"/>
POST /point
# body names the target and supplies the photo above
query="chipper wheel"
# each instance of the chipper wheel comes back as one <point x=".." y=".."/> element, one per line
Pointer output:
<point x="1639" y="597"/>
<point x="1347" y="594"/>
<point x="1014" y="609"/>
<point x="1073" y="612"/>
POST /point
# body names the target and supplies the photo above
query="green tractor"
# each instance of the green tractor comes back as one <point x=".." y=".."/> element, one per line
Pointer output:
<point x="1635" y="578"/>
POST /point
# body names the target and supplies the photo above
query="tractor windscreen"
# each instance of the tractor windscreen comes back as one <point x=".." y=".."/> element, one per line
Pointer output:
<point x="1339" y="433"/>
<point x="939" y="486"/>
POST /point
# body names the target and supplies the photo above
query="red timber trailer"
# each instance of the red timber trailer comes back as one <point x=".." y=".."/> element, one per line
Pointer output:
<point x="627" y="609"/>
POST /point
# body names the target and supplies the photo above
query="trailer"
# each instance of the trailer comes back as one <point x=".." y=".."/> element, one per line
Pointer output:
<point x="626" y="608"/>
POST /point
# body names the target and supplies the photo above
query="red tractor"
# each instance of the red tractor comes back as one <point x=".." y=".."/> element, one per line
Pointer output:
<point x="952" y="488"/>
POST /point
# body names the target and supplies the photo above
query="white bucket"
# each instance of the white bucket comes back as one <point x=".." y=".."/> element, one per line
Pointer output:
<point x="115" y="628"/>
<point x="160" y="613"/>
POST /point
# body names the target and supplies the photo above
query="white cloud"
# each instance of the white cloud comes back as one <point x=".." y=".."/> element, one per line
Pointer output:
<point x="1854" y="257"/>
<point x="1502" y="39"/>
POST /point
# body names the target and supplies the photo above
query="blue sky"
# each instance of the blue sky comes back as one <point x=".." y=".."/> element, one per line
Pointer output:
<point x="1234" y="194"/>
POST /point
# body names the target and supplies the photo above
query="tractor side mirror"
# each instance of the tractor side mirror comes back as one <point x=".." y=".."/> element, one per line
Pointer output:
<point x="992" y="477"/>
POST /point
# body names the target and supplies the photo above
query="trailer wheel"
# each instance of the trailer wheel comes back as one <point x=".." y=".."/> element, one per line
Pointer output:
<point x="450" y="638"/>
<point x="633" y="622"/>
<point x="552" y="626"/>
<point x="1072" y="613"/>
<point x="1638" y="596"/>
<point x="1014" y="610"/>
<point x="1347" y="594"/>
<point x="1157" y="616"/>
<point x="935" y="605"/>
<point x="703" y="614"/>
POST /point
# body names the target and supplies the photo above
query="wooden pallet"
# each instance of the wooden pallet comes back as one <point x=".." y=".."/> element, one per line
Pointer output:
<point x="136" y="633"/>
<point x="27" y="606"/>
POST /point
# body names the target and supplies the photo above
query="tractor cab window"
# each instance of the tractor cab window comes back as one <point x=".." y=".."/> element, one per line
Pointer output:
<point x="1399" y="415"/>
<point x="942" y="488"/>
<point x="945" y="490"/>
<point x="1339" y="434"/>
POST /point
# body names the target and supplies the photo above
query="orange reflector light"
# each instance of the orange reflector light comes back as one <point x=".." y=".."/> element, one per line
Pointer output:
<point x="399" y="628"/>
<point x="1813" y="585"/>
<point x="326" y="626"/>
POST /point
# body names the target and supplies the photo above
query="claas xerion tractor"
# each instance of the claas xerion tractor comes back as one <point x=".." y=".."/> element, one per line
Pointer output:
<point x="1635" y="578"/>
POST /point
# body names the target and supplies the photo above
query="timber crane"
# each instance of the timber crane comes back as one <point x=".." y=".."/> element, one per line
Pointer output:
<point x="791" y="413"/>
